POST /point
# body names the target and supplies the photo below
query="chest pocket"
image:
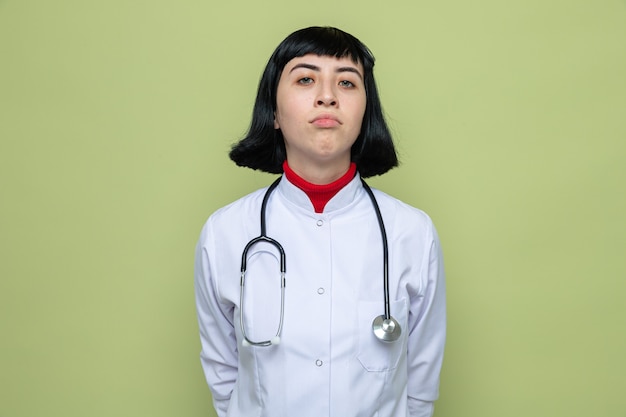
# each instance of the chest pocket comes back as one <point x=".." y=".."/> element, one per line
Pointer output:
<point x="374" y="354"/>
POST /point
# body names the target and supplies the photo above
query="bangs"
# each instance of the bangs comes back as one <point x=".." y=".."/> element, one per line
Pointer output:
<point x="323" y="41"/>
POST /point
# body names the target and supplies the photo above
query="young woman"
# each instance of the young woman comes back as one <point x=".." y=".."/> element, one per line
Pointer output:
<point x="318" y="296"/>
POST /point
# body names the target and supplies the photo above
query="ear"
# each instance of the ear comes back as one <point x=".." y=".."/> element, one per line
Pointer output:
<point x="276" y="125"/>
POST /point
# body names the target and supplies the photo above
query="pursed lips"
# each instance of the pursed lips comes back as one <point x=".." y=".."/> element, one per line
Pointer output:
<point x="326" y="120"/>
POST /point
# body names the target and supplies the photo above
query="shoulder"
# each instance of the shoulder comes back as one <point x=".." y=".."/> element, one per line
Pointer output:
<point x="243" y="205"/>
<point x="404" y="216"/>
<point x="236" y="215"/>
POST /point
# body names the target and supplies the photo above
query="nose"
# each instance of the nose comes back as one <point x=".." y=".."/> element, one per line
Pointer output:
<point x="326" y="95"/>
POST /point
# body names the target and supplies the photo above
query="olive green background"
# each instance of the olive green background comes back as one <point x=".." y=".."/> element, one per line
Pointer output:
<point x="115" y="122"/>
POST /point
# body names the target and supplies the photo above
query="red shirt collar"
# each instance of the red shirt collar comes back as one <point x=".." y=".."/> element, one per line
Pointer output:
<point x="319" y="194"/>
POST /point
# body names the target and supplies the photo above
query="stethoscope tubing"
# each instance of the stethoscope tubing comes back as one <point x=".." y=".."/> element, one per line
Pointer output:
<point x="383" y="234"/>
<point x="283" y="269"/>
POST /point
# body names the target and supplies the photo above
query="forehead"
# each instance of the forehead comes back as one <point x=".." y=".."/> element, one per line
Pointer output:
<point x="323" y="62"/>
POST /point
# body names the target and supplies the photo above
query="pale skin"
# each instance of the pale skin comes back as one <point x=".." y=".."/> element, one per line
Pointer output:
<point x="320" y="103"/>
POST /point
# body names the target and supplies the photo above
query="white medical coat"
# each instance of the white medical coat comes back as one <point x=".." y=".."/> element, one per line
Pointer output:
<point x="328" y="363"/>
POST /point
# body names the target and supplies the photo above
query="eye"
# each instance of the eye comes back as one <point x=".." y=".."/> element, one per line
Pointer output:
<point x="305" y="80"/>
<point x="346" y="83"/>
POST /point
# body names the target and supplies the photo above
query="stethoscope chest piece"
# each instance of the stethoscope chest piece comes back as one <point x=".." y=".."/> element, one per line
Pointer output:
<point x="386" y="330"/>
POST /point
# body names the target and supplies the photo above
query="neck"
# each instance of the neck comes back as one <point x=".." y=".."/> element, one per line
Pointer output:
<point x="320" y="194"/>
<point x="319" y="174"/>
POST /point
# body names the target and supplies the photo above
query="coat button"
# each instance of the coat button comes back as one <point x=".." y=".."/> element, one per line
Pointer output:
<point x="319" y="363"/>
<point x="321" y="291"/>
<point x="320" y="223"/>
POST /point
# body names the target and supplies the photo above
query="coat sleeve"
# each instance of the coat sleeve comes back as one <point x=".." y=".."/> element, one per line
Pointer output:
<point x="219" y="355"/>
<point x="427" y="332"/>
<point x="418" y="408"/>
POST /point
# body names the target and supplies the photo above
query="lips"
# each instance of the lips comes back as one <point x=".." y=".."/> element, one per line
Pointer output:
<point x="326" y="120"/>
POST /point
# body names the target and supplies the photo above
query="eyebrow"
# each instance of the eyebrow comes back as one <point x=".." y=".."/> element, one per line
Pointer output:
<point x="316" y="68"/>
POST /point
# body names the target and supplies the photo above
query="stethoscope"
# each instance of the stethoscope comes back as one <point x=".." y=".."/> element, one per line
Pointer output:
<point x="385" y="327"/>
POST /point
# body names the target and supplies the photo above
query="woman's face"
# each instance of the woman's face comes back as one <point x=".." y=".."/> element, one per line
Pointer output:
<point x="320" y="103"/>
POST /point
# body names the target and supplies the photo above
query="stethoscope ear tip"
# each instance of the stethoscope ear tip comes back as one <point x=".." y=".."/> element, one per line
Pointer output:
<point x="275" y="340"/>
<point x="245" y="343"/>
